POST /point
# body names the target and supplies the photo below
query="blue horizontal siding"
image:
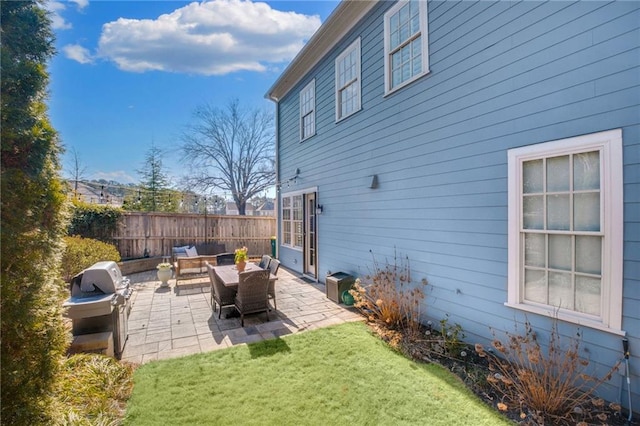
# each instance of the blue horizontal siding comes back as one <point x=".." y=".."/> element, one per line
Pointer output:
<point x="503" y="75"/>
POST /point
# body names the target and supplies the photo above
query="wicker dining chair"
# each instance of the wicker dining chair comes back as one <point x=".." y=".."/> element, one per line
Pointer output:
<point x="252" y="293"/>
<point x="274" y="265"/>
<point x="225" y="259"/>
<point x="264" y="261"/>
<point x="220" y="294"/>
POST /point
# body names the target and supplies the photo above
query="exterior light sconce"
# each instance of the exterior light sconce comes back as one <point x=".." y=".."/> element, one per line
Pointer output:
<point x="374" y="182"/>
<point x="319" y="209"/>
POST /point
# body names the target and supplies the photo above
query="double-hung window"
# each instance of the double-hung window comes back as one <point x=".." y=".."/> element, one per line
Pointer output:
<point x="406" y="43"/>
<point x="292" y="220"/>
<point x="308" y="111"/>
<point x="348" y="81"/>
<point x="565" y="229"/>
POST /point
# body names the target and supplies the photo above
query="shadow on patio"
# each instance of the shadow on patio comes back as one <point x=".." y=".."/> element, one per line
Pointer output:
<point x="166" y="323"/>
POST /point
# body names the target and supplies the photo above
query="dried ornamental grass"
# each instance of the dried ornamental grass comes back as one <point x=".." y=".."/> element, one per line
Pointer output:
<point x="389" y="296"/>
<point x="554" y="385"/>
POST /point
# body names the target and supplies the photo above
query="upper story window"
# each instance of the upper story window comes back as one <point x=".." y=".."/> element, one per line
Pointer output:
<point x="565" y="229"/>
<point x="405" y="43"/>
<point x="308" y="111"/>
<point x="348" y="81"/>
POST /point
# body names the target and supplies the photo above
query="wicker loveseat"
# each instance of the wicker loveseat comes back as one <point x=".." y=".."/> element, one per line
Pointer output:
<point x="188" y="265"/>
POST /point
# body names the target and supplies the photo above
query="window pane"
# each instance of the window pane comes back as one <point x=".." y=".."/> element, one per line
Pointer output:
<point x="560" y="292"/>
<point x="532" y="176"/>
<point x="589" y="255"/>
<point x="395" y="60"/>
<point x="395" y="40"/>
<point x="416" y="65"/>
<point x="404" y="32"/>
<point x="406" y="72"/>
<point x="558" y="174"/>
<point x="415" y="22"/>
<point x="558" y="212"/>
<point x="535" y="286"/>
<point x="560" y="252"/>
<point x="405" y="52"/>
<point x="586" y="171"/>
<point x="405" y="13"/>
<point x="533" y="212"/>
<point x="396" y="77"/>
<point x="586" y="212"/>
<point x="534" y="250"/>
<point x="394" y="22"/>
<point x="588" y="295"/>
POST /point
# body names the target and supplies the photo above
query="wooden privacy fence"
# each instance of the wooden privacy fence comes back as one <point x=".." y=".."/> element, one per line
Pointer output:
<point x="154" y="234"/>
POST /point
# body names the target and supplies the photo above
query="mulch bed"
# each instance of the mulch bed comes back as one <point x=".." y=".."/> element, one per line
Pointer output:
<point x="472" y="369"/>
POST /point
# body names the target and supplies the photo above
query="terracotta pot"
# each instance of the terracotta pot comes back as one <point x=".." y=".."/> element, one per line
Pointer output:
<point x="241" y="265"/>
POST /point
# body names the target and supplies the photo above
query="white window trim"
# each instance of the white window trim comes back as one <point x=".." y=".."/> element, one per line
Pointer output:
<point x="292" y="246"/>
<point x="610" y="144"/>
<point x="354" y="46"/>
<point x="309" y="87"/>
<point x="424" y="32"/>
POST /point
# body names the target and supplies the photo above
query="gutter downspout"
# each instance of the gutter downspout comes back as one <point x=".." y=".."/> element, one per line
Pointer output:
<point x="276" y="207"/>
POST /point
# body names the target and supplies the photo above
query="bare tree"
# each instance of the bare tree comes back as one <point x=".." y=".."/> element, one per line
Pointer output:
<point x="77" y="169"/>
<point x="232" y="149"/>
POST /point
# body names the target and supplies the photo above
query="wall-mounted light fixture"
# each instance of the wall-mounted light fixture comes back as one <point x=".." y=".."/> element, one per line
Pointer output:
<point x="374" y="182"/>
<point x="319" y="209"/>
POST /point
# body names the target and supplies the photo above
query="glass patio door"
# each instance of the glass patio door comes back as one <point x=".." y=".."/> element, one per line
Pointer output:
<point x="310" y="233"/>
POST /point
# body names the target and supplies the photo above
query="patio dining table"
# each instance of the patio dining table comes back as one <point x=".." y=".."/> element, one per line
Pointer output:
<point x="229" y="274"/>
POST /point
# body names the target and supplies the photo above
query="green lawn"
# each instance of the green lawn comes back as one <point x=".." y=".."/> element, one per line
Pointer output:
<point x="340" y="375"/>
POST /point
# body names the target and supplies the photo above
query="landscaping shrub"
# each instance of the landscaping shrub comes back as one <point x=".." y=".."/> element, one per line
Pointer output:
<point x="388" y="295"/>
<point x="80" y="253"/>
<point x="95" y="221"/>
<point x="551" y="387"/>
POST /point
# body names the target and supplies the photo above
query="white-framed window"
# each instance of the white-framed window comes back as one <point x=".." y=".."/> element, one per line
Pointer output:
<point x="348" y="81"/>
<point x="308" y="111"/>
<point x="566" y="229"/>
<point x="406" y="43"/>
<point x="292" y="220"/>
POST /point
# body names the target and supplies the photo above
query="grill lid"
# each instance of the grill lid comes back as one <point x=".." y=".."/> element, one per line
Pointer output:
<point x="101" y="278"/>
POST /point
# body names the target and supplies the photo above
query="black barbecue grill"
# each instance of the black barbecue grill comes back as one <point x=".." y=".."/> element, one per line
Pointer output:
<point x="99" y="303"/>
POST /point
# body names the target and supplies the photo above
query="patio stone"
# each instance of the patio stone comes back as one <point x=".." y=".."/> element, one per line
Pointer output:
<point x="173" y="322"/>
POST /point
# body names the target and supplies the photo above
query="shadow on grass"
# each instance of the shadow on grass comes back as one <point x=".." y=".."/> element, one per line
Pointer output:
<point x="268" y="347"/>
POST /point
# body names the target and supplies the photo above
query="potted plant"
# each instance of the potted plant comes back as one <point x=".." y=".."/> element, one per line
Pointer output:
<point x="164" y="273"/>
<point x="241" y="258"/>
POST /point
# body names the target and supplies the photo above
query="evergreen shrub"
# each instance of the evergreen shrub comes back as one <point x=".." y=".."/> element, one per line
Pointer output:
<point x="80" y="253"/>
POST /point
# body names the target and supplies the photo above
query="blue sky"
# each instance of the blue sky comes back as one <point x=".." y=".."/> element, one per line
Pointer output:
<point x="130" y="73"/>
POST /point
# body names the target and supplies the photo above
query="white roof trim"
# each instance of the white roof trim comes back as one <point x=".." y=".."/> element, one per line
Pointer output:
<point x="340" y="22"/>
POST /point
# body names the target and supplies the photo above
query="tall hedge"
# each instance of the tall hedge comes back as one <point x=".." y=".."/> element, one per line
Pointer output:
<point x="96" y="221"/>
<point x="33" y="220"/>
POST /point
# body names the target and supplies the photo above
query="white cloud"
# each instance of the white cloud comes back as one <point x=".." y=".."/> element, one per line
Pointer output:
<point x="211" y="38"/>
<point x="118" y="176"/>
<point x="78" y="53"/>
<point x="80" y="4"/>
<point x="56" y="8"/>
<point x="57" y="21"/>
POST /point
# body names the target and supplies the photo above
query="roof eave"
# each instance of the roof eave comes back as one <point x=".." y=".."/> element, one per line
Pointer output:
<point x="340" y="22"/>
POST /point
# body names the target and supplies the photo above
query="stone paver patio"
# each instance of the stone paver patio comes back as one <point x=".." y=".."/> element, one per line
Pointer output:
<point x="166" y="322"/>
